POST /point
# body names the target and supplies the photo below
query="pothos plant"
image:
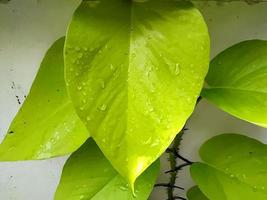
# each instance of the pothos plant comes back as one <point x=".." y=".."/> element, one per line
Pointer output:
<point x="120" y="86"/>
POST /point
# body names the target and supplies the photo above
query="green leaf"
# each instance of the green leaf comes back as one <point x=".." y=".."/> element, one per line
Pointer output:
<point x="89" y="175"/>
<point x="194" y="193"/>
<point x="237" y="81"/>
<point x="46" y="125"/>
<point x="134" y="71"/>
<point x="235" y="168"/>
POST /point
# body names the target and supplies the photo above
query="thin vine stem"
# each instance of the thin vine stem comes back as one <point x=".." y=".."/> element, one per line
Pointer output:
<point x="174" y="155"/>
<point x="173" y="163"/>
<point x="173" y="152"/>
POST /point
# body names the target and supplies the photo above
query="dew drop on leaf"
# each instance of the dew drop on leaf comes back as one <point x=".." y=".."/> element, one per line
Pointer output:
<point x="111" y="67"/>
<point x="102" y="83"/>
<point x="123" y="188"/>
<point x="103" y="107"/>
<point x="177" y="69"/>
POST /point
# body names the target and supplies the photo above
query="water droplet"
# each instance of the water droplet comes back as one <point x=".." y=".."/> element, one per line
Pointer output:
<point x="149" y="70"/>
<point x="148" y="141"/>
<point x="77" y="48"/>
<point x="123" y="188"/>
<point x="255" y="189"/>
<point x="84" y="101"/>
<point x="155" y="143"/>
<point x="232" y="175"/>
<point x="11" y="148"/>
<point x="85" y="49"/>
<point x="103" y="107"/>
<point x="88" y="118"/>
<point x="189" y="99"/>
<point x="81" y="108"/>
<point x="102" y="83"/>
<point x="177" y="69"/>
<point x="151" y="109"/>
<point x="112" y="67"/>
<point x="82" y="197"/>
<point x="79" y="87"/>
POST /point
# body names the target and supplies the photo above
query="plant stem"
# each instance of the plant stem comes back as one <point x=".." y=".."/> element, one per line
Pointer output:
<point x="173" y="155"/>
<point x="173" y="163"/>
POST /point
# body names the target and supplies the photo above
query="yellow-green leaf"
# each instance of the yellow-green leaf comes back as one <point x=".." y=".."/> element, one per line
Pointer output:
<point x="88" y="175"/>
<point x="237" y="81"/>
<point x="46" y="125"/>
<point x="234" y="168"/>
<point x="134" y="71"/>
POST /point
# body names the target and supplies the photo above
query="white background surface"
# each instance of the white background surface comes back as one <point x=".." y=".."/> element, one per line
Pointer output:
<point x="29" y="27"/>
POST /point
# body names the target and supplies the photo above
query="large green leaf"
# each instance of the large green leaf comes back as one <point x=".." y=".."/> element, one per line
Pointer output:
<point x="46" y="125"/>
<point x="134" y="71"/>
<point x="235" y="168"/>
<point x="89" y="175"/>
<point x="194" y="193"/>
<point x="237" y="81"/>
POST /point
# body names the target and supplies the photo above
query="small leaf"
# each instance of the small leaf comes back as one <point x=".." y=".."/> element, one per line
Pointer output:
<point x="237" y="81"/>
<point x="135" y="70"/>
<point x="235" y="168"/>
<point x="89" y="175"/>
<point x="194" y="193"/>
<point x="46" y="125"/>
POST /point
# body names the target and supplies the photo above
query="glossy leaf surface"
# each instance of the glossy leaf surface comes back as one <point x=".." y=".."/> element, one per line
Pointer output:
<point x="46" y="125"/>
<point x="237" y="81"/>
<point x="134" y="71"/>
<point x="235" y="168"/>
<point x="194" y="193"/>
<point x="89" y="175"/>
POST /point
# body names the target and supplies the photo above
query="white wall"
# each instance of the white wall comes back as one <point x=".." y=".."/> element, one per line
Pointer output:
<point x="29" y="27"/>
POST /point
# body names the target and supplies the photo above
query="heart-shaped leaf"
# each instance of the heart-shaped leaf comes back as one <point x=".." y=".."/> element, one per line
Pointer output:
<point x="89" y="175"/>
<point x="235" y="168"/>
<point x="134" y="71"/>
<point x="46" y="125"/>
<point x="194" y="193"/>
<point x="237" y="81"/>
